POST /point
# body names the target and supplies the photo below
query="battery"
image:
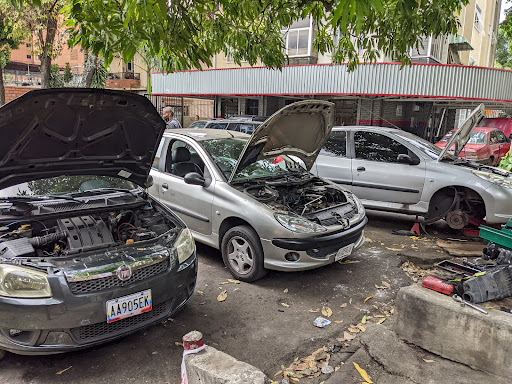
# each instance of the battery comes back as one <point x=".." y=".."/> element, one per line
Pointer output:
<point x="438" y="285"/>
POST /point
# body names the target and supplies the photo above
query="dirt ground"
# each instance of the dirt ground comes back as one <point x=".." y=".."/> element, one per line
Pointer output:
<point x="267" y="324"/>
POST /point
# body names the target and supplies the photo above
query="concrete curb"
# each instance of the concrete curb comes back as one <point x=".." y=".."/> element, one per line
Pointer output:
<point x="438" y="324"/>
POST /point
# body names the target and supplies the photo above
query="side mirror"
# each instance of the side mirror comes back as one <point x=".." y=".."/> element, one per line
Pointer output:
<point x="194" y="178"/>
<point x="149" y="181"/>
<point x="406" y="159"/>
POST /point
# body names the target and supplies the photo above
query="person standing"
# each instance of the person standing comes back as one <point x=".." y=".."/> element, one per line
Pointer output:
<point x="168" y="116"/>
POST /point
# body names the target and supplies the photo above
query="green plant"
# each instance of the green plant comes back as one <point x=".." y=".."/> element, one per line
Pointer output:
<point x="68" y="76"/>
<point x="56" y="79"/>
<point x="506" y="162"/>
<point x="99" y="77"/>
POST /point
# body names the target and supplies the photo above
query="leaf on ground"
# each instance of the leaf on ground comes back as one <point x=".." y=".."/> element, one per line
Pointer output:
<point x="428" y="361"/>
<point x="393" y="249"/>
<point x="368" y="298"/>
<point x="380" y="286"/>
<point x="354" y="330"/>
<point x="379" y="316"/>
<point x="361" y="327"/>
<point x="278" y="373"/>
<point x="386" y="284"/>
<point x="178" y="344"/>
<point x="356" y="307"/>
<point x="381" y="320"/>
<point x="64" y="370"/>
<point x="363" y="320"/>
<point x="314" y="310"/>
<point x="222" y="296"/>
<point x="285" y="305"/>
<point x="348" y="336"/>
<point x="350" y="301"/>
<point x="234" y="281"/>
<point x="224" y="282"/>
<point x="338" y="321"/>
<point x="326" y="311"/>
<point x="300" y="367"/>
<point x="368" y="240"/>
<point x="349" y="261"/>
<point x="363" y="373"/>
<point x="343" y="305"/>
<point x="286" y="290"/>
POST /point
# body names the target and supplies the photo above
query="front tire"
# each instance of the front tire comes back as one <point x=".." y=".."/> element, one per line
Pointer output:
<point x="243" y="254"/>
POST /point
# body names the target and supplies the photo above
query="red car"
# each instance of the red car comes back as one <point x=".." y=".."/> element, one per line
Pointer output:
<point x="486" y="145"/>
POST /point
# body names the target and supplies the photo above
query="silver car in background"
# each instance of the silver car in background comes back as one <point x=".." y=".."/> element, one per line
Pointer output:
<point x="393" y="170"/>
<point x="250" y="197"/>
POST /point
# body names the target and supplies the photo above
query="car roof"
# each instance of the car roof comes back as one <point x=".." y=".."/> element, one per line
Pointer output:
<point x="480" y="129"/>
<point x="202" y="134"/>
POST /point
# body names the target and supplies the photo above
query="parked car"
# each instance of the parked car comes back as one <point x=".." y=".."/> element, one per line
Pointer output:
<point x="239" y="125"/>
<point x="86" y="255"/>
<point x="393" y="170"/>
<point x="504" y="124"/>
<point x="249" y="197"/>
<point x="485" y="145"/>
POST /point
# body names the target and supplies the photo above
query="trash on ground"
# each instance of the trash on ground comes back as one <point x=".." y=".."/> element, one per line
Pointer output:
<point x="222" y="296"/>
<point x="363" y="373"/>
<point x="308" y="367"/>
<point x="320" y="322"/>
<point x="285" y="305"/>
<point x="64" y="370"/>
<point x="286" y="290"/>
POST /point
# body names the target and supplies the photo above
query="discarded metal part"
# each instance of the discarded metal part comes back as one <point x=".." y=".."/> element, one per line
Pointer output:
<point x="492" y="285"/>
<point x="501" y="237"/>
<point x="457" y="219"/>
<point x="464" y="303"/>
<point x="451" y="266"/>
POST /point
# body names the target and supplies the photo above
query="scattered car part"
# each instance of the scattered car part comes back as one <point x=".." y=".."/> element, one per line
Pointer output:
<point x="496" y="284"/>
<point x="437" y="284"/>
<point x="464" y="303"/>
<point x="457" y="268"/>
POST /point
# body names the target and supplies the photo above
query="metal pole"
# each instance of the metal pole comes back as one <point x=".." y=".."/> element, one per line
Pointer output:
<point x="182" y="111"/>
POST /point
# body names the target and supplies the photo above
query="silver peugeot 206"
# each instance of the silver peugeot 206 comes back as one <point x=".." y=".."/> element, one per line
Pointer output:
<point x="254" y="198"/>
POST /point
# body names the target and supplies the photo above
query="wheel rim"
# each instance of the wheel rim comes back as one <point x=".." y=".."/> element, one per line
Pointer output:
<point x="240" y="255"/>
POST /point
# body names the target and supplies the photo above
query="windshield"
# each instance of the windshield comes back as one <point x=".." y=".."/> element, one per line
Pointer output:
<point x="225" y="153"/>
<point x="475" y="138"/>
<point x="64" y="185"/>
<point x="423" y="145"/>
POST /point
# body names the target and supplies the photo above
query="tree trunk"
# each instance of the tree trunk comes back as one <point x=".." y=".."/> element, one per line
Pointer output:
<point x="89" y="69"/>
<point x="2" y="88"/>
<point x="47" y="51"/>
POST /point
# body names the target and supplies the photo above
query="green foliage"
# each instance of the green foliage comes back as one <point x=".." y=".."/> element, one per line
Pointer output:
<point x="186" y="34"/>
<point x="11" y="32"/>
<point x="56" y="78"/>
<point x="506" y="162"/>
<point x="100" y="76"/>
<point x="68" y="76"/>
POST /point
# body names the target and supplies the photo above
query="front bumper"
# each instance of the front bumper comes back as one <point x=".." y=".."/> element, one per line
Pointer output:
<point x="314" y="251"/>
<point x="68" y="321"/>
<point x="497" y="204"/>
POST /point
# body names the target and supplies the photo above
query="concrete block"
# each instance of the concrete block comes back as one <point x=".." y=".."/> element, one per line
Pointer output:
<point x="212" y="366"/>
<point x="437" y="323"/>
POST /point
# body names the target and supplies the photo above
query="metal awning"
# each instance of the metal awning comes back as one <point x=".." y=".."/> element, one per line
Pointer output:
<point x="460" y="43"/>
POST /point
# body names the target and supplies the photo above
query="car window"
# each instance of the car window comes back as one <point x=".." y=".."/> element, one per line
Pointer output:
<point x="182" y="158"/>
<point x="217" y="125"/>
<point x="477" y="138"/>
<point x="501" y="137"/>
<point x="376" y="147"/>
<point x="243" y="127"/>
<point x="336" y="145"/>
<point x="156" y="161"/>
<point x="197" y="124"/>
<point x="493" y="138"/>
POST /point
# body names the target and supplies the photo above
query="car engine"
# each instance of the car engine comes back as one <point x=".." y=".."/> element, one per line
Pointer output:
<point x="74" y="235"/>
<point x="304" y="195"/>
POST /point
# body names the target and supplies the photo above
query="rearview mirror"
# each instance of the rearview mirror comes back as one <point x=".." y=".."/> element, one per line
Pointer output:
<point x="406" y="159"/>
<point x="194" y="178"/>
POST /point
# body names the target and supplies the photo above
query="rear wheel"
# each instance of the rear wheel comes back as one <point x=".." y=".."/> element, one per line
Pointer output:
<point x="243" y="254"/>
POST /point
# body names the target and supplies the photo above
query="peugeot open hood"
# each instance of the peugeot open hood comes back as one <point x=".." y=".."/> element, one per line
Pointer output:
<point x="54" y="132"/>
<point x="299" y="129"/>
<point x="463" y="134"/>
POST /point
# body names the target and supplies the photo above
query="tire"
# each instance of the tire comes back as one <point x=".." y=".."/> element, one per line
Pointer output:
<point x="243" y="254"/>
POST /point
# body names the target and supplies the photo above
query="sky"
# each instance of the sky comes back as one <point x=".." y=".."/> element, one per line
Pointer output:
<point x="505" y="4"/>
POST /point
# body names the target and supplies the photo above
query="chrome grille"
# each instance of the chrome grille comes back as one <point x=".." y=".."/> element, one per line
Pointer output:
<point x="95" y="285"/>
<point x="93" y="331"/>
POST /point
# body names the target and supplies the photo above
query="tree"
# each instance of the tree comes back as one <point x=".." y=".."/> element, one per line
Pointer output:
<point x="11" y="35"/>
<point x="56" y="79"/>
<point x="68" y="76"/>
<point x="186" y="34"/>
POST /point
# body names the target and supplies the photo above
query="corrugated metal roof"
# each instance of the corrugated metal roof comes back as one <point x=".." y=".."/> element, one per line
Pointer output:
<point x="420" y="80"/>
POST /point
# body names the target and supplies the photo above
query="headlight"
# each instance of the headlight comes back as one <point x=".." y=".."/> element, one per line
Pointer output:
<point x="359" y="205"/>
<point x="298" y="224"/>
<point x="494" y="178"/>
<point x="23" y="282"/>
<point x="185" y="245"/>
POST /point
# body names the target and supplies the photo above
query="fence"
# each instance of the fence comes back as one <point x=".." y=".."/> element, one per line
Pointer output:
<point x="185" y="108"/>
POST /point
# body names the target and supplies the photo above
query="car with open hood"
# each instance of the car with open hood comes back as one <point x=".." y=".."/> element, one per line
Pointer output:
<point x="393" y="170"/>
<point x="86" y="254"/>
<point x="254" y="198"/>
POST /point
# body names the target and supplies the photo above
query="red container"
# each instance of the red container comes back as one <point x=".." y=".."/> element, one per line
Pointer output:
<point x="438" y="285"/>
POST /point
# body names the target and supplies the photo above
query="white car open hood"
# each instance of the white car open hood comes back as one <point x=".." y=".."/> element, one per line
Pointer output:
<point x="299" y="129"/>
<point x="463" y="134"/>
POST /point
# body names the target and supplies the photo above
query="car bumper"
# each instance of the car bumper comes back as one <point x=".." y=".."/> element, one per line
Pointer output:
<point x="497" y="203"/>
<point x="313" y="252"/>
<point x="68" y="322"/>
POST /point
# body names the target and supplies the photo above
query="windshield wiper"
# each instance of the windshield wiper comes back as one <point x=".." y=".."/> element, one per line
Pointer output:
<point x="106" y="190"/>
<point x="62" y="197"/>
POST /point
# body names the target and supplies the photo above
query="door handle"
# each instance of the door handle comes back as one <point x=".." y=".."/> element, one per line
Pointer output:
<point x="361" y="169"/>
<point x="165" y="186"/>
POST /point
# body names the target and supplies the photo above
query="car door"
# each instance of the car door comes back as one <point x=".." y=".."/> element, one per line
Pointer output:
<point x="377" y="173"/>
<point x="503" y="142"/>
<point x="193" y="203"/>
<point x="494" y="146"/>
<point x="332" y="162"/>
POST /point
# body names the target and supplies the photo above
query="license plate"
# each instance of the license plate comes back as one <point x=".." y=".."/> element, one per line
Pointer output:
<point x="128" y="306"/>
<point x="344" y="252"/>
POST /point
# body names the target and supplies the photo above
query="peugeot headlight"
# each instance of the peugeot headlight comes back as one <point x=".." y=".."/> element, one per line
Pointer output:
<point x="494" y="178"/>
<point x="359" y="205"/>
<point x="298" y="224"/>
<point x="23" y="282"/>
<point x="185" y="245"/>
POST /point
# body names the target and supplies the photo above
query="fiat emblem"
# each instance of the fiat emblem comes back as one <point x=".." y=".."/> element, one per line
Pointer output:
<point x="124" y="272"/>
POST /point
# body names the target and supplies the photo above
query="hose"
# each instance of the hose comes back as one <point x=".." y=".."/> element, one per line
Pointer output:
<point x="41" y="241"/>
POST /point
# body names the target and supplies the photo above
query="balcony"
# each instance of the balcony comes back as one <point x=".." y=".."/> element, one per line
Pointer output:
<point x="122" y="80"/>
